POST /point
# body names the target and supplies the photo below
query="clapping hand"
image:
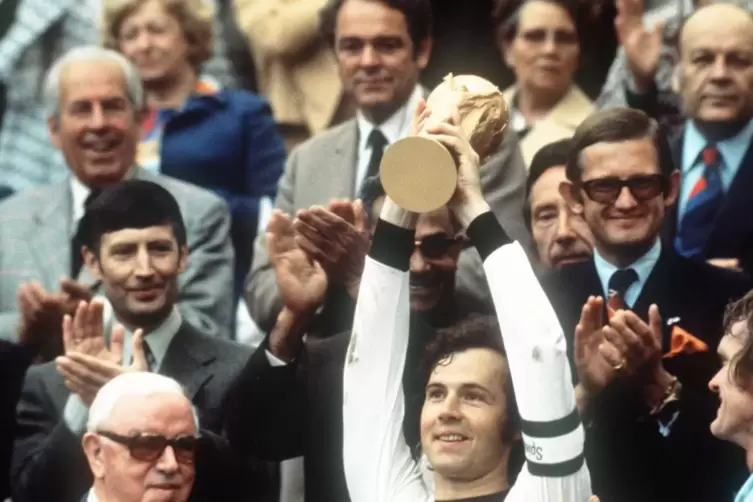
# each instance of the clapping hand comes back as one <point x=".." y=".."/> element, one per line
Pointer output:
<point x="594" y="356"/>
<point x="338" y="238"/>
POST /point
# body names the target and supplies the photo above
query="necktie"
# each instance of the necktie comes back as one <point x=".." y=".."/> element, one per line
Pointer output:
<point x="151" y="361"/>
<point x="702" y="207"/>
<point x="77" y="261"/>
<point x="377" y="141"/>
<point x="618" y="285"/>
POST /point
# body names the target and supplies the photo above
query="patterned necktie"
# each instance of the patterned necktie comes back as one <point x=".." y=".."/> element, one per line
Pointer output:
<point x="377" y="141"/>
<point x="618" y="285"/>
<point x="77" y="261"/>
<point x="702" y="207"/>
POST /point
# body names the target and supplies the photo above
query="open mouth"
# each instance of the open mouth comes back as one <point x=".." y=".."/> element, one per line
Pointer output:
<point x="451" y="438"/>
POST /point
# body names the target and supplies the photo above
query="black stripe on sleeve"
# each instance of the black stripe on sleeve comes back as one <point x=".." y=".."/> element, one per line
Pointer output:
<point x="558" y="470"/>
<point x="392" y="245"/>
<point x="555" y="428"/>
<point x="487" y="234"/>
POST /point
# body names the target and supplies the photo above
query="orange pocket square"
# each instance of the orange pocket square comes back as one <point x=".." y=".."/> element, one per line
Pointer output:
<point x="684" y="343"/>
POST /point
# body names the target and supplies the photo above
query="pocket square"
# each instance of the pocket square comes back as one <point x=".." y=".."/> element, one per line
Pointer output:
<point x="683" y="342"/>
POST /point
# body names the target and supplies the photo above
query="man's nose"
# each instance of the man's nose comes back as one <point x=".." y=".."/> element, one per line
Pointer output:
<point x="418" y="263"/>
<point x="625" y="200"/>
<point x="97" y="119"/>
<point x="369" y="56"/>
<point x="143" y="264"/>
<point x="564" y="228"/>
<point x="168" y="463"/>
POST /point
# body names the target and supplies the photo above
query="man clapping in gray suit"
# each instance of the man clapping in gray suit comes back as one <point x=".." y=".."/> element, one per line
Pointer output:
<point x="381" y="48"/>
<point x="94" y="97"/>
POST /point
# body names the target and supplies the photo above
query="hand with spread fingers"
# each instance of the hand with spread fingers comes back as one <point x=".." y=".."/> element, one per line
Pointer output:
<point x="84" y="331"/>
<point x="85" y="373"/>
<point x="642" y="47"/>
<point x="301" y="279"/>
<point x="340" y="244"/>
<point x="593" y="355"/>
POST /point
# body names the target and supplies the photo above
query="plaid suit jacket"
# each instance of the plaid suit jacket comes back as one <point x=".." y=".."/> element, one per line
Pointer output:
<point x="43" y="31"/>
<point x="35" y="245"/>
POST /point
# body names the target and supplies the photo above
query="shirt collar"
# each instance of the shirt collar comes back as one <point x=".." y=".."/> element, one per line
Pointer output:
<point x="158" y="340"/>
<point x="92" y="497"/>
<point x="79" y="193"/>
<point x="642" y="266"/>
<point x="397" y="126"/>
<point x="732" y="150"/>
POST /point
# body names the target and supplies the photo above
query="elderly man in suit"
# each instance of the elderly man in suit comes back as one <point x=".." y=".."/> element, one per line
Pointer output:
<point x="381" y="47"/>
<point x="94" y="97"/>
<point x="712" y="145"/>
<point x="134" y="241"/>
<point x="42" y="32"/>
<point x="644" y="354"/>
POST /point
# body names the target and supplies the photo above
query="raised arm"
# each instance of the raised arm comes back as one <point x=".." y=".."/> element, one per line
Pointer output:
<point x="535" y="344"/>
<point x="378" y="463"/>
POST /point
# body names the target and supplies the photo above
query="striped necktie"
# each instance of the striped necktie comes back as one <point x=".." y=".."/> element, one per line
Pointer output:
<point x="703" y="205"/>
<point x="618" y="285"/>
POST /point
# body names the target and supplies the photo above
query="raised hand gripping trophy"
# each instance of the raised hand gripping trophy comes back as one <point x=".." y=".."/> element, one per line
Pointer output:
<point x="419" y="173"/>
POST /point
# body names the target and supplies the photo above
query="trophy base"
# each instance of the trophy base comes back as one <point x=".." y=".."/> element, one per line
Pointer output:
<point x="418" y="173"/>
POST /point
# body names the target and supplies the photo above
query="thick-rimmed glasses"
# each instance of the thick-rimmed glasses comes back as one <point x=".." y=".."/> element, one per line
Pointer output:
<point x="642" y="188"/>
<point x="149" y="447"/>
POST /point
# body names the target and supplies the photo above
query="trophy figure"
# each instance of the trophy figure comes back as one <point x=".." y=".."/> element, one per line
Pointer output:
<point x="419" y="173"/>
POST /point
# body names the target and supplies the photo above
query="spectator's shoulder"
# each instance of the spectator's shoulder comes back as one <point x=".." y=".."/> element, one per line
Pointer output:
<point x="711" y="278"/>
<point x="189" y="196"/>
<point x="245" y="102"/>
<point x="26" y="202"/>
<point x="328" y="139"/>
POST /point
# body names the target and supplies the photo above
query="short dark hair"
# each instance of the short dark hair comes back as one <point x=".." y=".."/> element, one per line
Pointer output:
<point x="418" y="17"/>
<point x="130" y="204"/>
<point x="506" y="15"/>
<point x="476" y="331"/>
<point x="615" y="125"/>
<point x="549" y="156"/>
<point x="742" y="364"/>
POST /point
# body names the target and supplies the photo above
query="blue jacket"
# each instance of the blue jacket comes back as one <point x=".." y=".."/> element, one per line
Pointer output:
<point x="228" y="143"/>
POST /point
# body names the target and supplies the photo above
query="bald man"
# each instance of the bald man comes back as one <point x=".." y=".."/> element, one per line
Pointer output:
<point x="714" y="80"/>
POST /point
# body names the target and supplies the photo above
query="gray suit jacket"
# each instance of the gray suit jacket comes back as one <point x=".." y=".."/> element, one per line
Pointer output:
<point x="323" y="168"/>
<point x="48" y="461"/>
<point x="35" y="245"/>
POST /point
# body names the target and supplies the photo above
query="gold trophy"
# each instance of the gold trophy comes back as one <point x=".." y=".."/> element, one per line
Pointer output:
<point x="419" y="173"/>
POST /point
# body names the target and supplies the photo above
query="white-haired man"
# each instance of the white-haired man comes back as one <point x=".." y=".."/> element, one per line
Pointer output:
<point x="94" y="100"/>
<point x="142" y="437"/>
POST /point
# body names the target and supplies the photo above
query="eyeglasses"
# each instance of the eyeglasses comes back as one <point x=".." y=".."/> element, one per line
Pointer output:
<point x="149" y="447"/>
<point x="437" y="245"/>
<point x="642" y="188"/>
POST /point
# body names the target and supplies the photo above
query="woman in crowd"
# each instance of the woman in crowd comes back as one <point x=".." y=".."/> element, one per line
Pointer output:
<point x="539" y="41"/>
<point x="223" y="140"/>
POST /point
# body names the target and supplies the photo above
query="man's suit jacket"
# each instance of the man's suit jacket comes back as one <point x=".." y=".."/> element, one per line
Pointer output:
<point x="48" y="461"/>
<point x="559" y="123"/>
<point x="14" y="361"/>
<point x="628" y="457"/>
<point x="324" y="168"/>
<point x="35" y="245"/>
<point x="296" y="68"/>
<point x="732" y="233"/>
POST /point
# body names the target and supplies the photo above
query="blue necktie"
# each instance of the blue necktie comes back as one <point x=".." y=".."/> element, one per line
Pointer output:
<point x="703" y="205"/>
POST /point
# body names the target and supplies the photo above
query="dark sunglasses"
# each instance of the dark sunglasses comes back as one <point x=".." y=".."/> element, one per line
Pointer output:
<point x="149" y="447"/>
<point x="642" y="188"/>
<point x="438" y="245"/>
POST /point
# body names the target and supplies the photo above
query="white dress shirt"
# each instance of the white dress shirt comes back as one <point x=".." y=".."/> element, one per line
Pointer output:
<point x="396" y="127"/>
<point x="76" y="412"/>
<point x="377" y="461"/>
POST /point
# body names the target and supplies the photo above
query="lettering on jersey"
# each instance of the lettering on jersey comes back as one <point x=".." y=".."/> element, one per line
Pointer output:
<point x="534" y="452"/>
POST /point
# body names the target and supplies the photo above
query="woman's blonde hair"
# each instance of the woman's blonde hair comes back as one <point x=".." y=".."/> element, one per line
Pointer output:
<point x="195" y="18"/>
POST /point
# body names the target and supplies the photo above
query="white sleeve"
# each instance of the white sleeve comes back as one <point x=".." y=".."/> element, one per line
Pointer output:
<point x="378" y="463"/>
<point x="553" y="436"/>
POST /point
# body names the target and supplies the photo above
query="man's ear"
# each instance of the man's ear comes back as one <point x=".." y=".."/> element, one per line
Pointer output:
<point x="92" y="445"/>
<point x="53" y="128"/>
<point x="572" y="197"/>
<point x="183" y="259"/>
<point x="673" y="188"/>
<point x="92" y="263"/>
<point x="423" y="53"/>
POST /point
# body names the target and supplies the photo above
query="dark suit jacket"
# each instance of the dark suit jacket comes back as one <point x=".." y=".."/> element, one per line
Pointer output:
<point x="628" y="458"/>
<point x="48" y="461"/>
<point x="732" y="234"/>
<point x="14" y="361"/>
<point x="284" y="412"/>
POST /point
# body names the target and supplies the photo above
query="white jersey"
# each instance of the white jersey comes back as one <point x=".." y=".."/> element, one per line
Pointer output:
<point x="378" y="463"/>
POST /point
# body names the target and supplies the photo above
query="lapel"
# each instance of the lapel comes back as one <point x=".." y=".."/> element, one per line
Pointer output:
<point x="187" y="360"/>
<point x="339" y="170"/>
<point x="50" y="239"/>
<point x="33" y="19"/>
<point x="729" y="227"/>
